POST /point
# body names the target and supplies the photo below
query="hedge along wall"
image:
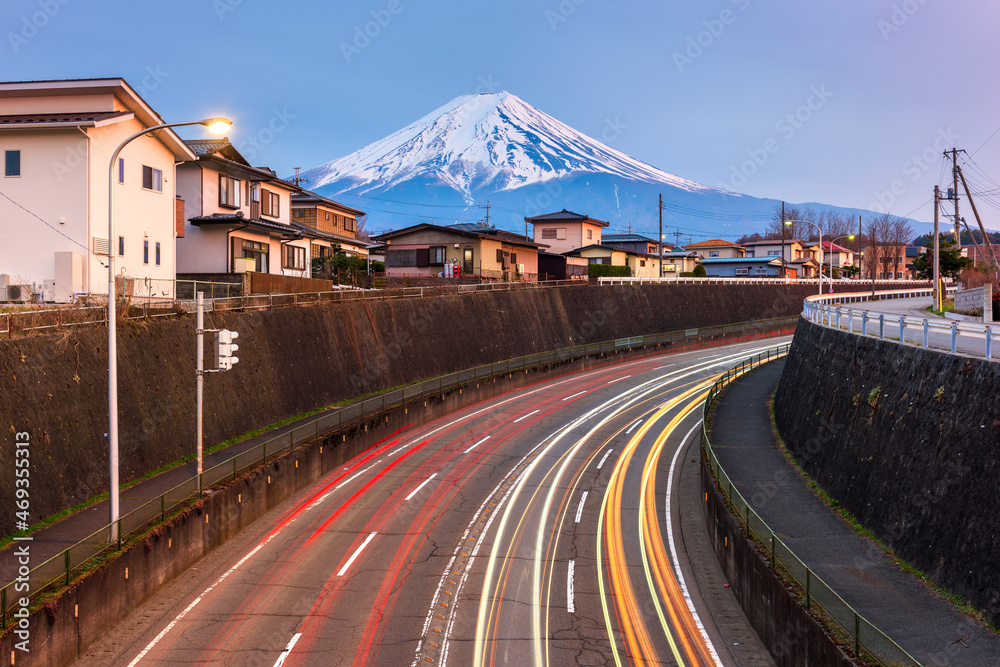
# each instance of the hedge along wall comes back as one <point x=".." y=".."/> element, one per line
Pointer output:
<point x="907" y="440"/>
<point x="297" y="359"/>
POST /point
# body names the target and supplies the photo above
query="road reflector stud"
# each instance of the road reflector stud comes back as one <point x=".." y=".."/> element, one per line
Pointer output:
<point x="296" y="463"/>
<point x="268" y="479"/>
<point x="170" y="542"/>
<point x="727" y="540"/>
<point x="126" y="574"/>
<point x="239" y="498"/>
<point x="206" y="517"/>
<point x="76" y="611"/>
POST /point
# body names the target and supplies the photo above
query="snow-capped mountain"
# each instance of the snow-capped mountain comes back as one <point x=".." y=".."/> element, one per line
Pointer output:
<point x="497" y="148"/>
<point x="493" y="140"/>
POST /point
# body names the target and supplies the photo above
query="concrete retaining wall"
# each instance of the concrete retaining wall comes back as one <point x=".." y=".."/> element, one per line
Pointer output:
<point x="793" y="637"/>
<point x="906" y="440"/>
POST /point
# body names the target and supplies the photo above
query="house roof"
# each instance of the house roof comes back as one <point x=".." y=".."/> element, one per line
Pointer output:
<point x="567" y="216"/>
<point x="804" y="260"/>
<point x="237" y="220"/>
<point x="741" y="260"/>
<point x="775" y="242"/>
<point x="714" y="243"/>
<point x="313" y="233"/>
<point x="677" y="255"/>
<point x="472" y="230"/>
<point x="600" y="246"/>
<point x="309" y="197"/>
<point x="78" y="119"/>
<point x="625" y="238"/>
<point x="833" y="247"/>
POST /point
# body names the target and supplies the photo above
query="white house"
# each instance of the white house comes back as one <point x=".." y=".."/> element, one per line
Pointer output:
<point x="57" y="138"/>
<point x="237" y="216"/>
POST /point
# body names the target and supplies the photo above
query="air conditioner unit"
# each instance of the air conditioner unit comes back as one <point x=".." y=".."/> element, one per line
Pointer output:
<point x="520" y="269"/>
<point x="18" y="293"/>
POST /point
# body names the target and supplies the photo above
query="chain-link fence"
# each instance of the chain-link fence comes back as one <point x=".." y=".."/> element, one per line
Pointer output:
<point x="867" y="640"/>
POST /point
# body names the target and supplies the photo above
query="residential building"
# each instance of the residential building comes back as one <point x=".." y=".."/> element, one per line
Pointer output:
<point x="333" y="218"/>
<point x="679" y="261"/>
<point x="57" y="138"/>
<point x="981" y="255"/>
<point x="475" y="249"/>
<point x="716" y="249"/>
<point x="565" y="230"/>
<point x="238" y="216"/>
<point x="890" y="262"/>
<point x="836" y="255"/>
<point x="561" y="267"/>
<point x="633" y="242"/>
<point x="798" y="255"/>
<point x="743" y="267"/>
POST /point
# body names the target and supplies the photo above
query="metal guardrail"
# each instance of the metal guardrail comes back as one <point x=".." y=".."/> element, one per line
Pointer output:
<point x="828" y="311"/>
<point x="814" y="592"/>
<point x="61" y="569"/>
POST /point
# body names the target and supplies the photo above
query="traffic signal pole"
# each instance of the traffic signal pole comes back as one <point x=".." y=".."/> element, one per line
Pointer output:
<point x="200" y="378"/>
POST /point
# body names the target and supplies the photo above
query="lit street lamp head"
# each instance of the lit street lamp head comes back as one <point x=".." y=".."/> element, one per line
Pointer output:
<point x="217" y="125"/>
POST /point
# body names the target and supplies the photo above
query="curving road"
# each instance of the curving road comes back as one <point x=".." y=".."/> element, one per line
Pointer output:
<point x="540" y="527"/>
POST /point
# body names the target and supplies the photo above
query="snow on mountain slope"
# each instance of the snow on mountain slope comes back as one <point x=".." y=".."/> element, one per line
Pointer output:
<point x="495" y="141"/>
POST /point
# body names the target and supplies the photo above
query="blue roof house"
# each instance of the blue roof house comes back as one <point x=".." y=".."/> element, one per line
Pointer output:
<point x="742" y="267"/>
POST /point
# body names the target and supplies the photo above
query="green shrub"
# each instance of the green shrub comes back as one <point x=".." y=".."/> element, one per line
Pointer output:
<point x="699" y="272"/>
<point x="608" y="271"/>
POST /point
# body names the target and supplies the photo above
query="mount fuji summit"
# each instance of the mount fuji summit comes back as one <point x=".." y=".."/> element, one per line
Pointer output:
<point x="496" y="147"/>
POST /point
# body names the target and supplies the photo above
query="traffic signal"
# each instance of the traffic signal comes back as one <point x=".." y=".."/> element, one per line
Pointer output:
<point x="224" y="349"/>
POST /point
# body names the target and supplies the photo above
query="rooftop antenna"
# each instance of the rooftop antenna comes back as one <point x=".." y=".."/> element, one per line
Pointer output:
<point x="296" y="179"/>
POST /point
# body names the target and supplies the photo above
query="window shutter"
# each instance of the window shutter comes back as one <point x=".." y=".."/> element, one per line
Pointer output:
<point x="423" y="257"/>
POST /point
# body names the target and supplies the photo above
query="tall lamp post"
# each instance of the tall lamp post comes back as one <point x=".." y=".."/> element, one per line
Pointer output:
<point x="818" y="229"/>
<point x="216" y="125"/>
<point x="849" y="237"/>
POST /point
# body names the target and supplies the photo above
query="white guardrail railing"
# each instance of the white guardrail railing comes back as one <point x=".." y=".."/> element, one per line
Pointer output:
<point x="927" y="332"/>
<point x="674" y="280"/>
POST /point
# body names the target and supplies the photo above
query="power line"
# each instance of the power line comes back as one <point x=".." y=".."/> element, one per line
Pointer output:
<point x="49" y="225"/>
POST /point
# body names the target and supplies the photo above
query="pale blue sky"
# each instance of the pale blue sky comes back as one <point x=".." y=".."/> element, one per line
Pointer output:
<point x="699" y="89"/>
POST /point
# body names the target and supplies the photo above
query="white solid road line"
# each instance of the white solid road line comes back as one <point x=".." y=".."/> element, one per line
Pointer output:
<point x="632" y="427"/>
<point x="288" y="649"/>
<point x="356" y="554"/>
<point x="583" y="499"/>
<point x="673" y="550"/>
<point x="617" y="379"/>
<point x="356" y="475"/>
<point x="570" y="606"/>
<point x="422" y="485"/>
<point x="579" y="393"/>
<point x="526" y="416"/>
<point x="476" y="445"/>
<point x="605" y="457"/>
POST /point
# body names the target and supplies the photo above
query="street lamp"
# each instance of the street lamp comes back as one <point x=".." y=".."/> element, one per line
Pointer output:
<point x="849" y="237"/>
<point x="820" y="230"/>
<point x="217" y="126"/>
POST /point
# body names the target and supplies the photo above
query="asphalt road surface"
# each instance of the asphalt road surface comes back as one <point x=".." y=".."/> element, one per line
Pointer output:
<point x="534" y="528"/>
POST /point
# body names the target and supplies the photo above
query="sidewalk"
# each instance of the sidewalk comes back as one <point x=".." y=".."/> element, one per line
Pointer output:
<point x="52" y="540"/>
<point x="897" y="603"/>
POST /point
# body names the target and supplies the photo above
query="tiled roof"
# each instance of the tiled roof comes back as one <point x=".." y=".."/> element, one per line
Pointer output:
<point x="714" y="243"/>
<point x="61" y="118"/>
<point x="310" y="197"/>
<point x="467" y="229"/>
<point x="312" y="232"/>
<point x="240" y="220"/>
<point x="676" y="255"/>
<point x="774" y="242"/>
<point x="625" y="238"/>
<point x="201" y="147"/>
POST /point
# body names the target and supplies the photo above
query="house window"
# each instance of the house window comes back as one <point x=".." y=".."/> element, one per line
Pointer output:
<point x="713" y="253"/>
<point x="157" y="253"/>
<point x="326" y="215"/>
<point x="121" y="246"/>
<point x="12" y="163"/>
<point x="254" y="250"/>
<point x="590" y="233"/>
<point x="513" y="258"/>
<point x="437" y="254"/>
<point x="761" y="271"/>
<point x="773" y="253"/>
<point x="145" y="252"/>
<point x="229" y="191"/>
<point x="152" y="179"/>
<point x="350" y="224"/>
<point x="121" y="170"/>
<point x="294" y="257"/>
<point x="270" y="203"/>
<point x="742" y="272"/>
<point x="298" y="213"/>
<point x="642" y="262"/>
<point x="548" y="233"/>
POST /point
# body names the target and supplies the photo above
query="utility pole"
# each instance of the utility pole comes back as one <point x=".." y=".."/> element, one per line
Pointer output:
<point x="661" y="236"/>
<point x="298" y="179"/>
<point x="982" y="229"/>
<point x="784" y="271"/>
<point x="938" y="303"/>
<point x="677" y="238"/>
<point x="953" y="194"/>
<point x="487" y="207"/>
